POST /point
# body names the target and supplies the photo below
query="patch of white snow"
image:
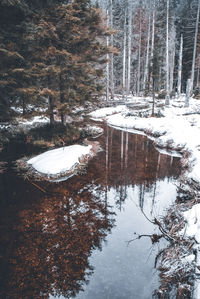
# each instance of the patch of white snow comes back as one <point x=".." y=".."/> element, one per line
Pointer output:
<point x="192" y="216"/>
<point x="59" y="160"/>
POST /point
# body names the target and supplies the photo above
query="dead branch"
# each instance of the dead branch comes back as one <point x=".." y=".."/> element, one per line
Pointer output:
<point x="158" y="256"/>
<point x="154" y="238"/>
<point x="163" y="231"/>
<point x="34" y="184"/>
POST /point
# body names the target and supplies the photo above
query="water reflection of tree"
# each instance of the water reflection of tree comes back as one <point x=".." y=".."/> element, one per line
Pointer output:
<point x="47" y="246"/>
<point x="132" y="160"/>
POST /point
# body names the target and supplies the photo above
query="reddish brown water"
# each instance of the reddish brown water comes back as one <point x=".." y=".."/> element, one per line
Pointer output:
<point x="54" y="241"/>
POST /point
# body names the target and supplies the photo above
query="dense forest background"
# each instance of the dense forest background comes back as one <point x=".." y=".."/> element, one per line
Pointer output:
<point x="52" y="54"/>
<point x="158" y="41"/>
<point x="63" y="54"/>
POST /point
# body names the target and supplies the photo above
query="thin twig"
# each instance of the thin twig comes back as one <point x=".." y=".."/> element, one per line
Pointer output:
<point x="34" y="184"/>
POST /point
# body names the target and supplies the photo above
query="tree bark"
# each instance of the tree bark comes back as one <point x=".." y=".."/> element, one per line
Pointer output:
<point x="146" y="70"/>
<point x="195" y="48"/>
<point x="111" y="55"/>
<point x="124" y="59"/>
<point x="107" y="63"/>
<point x="167" y="99"/>
<point x="180" y="67"/>
<point x="62" y="100"/>
<point x="139" y="54"/>
<point x="152" y="45"/>
<point x="129" y="49"/>
<point x="188" y="91"/>
<point x="51" y="106"/>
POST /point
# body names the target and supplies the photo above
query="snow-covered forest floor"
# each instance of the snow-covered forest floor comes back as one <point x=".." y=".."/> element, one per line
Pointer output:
<point x="175" y="130"/>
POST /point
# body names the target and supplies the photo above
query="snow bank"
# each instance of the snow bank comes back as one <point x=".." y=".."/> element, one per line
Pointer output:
<point x="192" y="217"/>
<point x="61" y="160"/>
<point x="101" y="113"/>
<point x="178" y="129"/>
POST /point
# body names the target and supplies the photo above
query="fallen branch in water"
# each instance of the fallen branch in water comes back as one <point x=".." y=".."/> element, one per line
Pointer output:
<point x="154" y="238"/>
<point x="34" y="184"/>
<point x="163" y="231"/>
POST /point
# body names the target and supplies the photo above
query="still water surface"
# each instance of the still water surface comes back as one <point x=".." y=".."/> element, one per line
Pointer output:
<point x="71" y="238"/>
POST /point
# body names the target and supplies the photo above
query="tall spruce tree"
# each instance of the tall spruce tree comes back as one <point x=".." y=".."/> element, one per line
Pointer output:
<point x="54" y="55"/>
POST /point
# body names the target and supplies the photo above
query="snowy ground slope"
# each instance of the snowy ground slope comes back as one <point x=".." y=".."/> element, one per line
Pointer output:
<point x="59" y="160"/>
<point x="179" y="129"/>
<point x="103" y="112"/>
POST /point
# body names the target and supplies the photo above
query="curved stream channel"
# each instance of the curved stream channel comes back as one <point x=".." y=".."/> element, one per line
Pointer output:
<point x="69" y="239"/>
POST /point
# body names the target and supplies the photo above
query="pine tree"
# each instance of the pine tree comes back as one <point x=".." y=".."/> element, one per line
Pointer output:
<point x="55" y="56"/>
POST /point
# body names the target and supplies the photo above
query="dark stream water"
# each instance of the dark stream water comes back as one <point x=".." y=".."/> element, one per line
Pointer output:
<point x="69" y="239"/>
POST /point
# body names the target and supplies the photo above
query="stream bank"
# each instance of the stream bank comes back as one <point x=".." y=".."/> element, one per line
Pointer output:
<point x="175" y="129"/>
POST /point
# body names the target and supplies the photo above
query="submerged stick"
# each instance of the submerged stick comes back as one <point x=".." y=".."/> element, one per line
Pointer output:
<point x="34" y="184"/>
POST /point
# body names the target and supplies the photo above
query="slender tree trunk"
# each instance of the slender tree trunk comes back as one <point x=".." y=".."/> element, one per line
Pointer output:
<point x="111" y="55"/>
<point x="195" y="48"/>
<point x="124" y="59"/>
<point x="188" y="90"/>
<point x="180" y="67"/>
<point x="146" y="70"/>
<point x="152" y="44"/>
<point x="62" y="100"/>
<point x="129" y="49"/>
<point x="139" y="55"/>
<point x="153" y="104"/>
<point x="198" y="71"/>
<point x="172" y="67"/>
<point x="167" y="100"/>
<point x="51" y="105"/>
<point x="107" y="64"/>
<point x="51" y="115"/>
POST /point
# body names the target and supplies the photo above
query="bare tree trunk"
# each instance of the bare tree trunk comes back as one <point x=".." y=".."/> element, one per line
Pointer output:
<point x="62" y="114"/>
<point x="167" y="100"/>
<point x="51" y="104"/>
<point x="129" y="49"/>
<point x="51" y="115"/>
<point x="153" y="104"/>
<point x="198" y="70"/>
<point x="111" y="55"/>
<point x="152" y="44"/>
<point x="172" y="62"/>
<point x="195" y="48"/>
<point x="124" y="59"/>
<point x="188" y="90"/>
<point x="180" y="66"/>
<point x="139" y="55"/>
<point x="107" y="64"/>
<point x="146" y="70"/>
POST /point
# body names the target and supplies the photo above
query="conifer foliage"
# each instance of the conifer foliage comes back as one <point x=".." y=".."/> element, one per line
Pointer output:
<point x="52" y="55"/>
